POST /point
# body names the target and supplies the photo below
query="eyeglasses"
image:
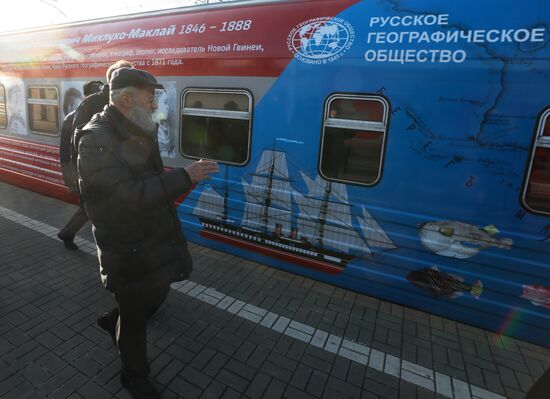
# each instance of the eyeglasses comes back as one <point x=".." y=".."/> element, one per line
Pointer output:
<point x="150" y="99"/>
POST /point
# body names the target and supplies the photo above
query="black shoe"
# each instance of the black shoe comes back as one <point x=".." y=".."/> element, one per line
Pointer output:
<point x="140" y="388"/>
<point x="68" y="242"/>
<point x="108" y="321"/>
<point x="70" y="245"/>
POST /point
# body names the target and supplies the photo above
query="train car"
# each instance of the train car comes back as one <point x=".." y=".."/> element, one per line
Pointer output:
<point x="397" y="148"/>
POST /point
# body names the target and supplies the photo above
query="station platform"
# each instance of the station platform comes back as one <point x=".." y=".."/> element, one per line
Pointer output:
<point x="237" y="329"/>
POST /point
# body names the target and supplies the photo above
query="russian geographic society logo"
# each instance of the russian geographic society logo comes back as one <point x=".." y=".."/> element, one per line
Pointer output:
<point x="321" y="40"/>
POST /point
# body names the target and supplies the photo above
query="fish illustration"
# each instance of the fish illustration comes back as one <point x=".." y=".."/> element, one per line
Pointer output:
<point x="539" y="295"/>
<point x="439" y="284"/>
<point x="460" y="240"/>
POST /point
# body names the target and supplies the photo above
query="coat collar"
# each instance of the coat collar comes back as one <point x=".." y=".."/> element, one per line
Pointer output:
<point x="105" y="91"/>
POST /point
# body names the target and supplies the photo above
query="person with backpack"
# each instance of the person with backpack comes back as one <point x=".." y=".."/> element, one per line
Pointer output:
<point x="91" y="105"/>
<point x="68" y="169"/>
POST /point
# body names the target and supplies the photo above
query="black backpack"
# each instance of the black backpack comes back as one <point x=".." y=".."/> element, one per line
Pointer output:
<point x="66" y="154"/>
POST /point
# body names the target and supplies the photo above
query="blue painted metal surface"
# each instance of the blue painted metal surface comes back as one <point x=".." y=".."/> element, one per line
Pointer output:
<point x="458" y="144"/>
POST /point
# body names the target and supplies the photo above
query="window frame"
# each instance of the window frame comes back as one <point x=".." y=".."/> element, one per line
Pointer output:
<point x="538" y="137"/>
<point x="5" y="101"/>
<point x="201" y="112"/>
<point x="39" y="101"/>
<point x="382" y="127"/>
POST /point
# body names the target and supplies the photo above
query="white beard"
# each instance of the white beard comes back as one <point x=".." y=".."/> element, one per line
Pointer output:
<point x="143" y="118"/>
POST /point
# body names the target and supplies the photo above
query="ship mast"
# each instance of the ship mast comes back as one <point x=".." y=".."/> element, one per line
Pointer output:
<point x="225" y="194"/>
<point x="267" y="198"/>
<point x="323" y="211"/>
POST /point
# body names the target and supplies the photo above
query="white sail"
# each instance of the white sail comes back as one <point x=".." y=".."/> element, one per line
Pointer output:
<point x="337" y="231"/>
<point x="248" y="192"/>
<point x="338" y="214"/>
<point x="209" y="205"/>
<point x="339" y="192"/>
<point x="256" y="190"/>
<point x="252" y="217"/>
<point x="308" y="217"/>
<point x="272" y="167"/>
<point x="281" y="167"/>
<point x="275" y="159"/>
<point x="315" y="188"/>
<point x="281" y="206"/>
<point x="344" y="239"/>
<point x="265" y="162"/>
<point x="280" y="192"/>
<point x="375" y="236"/>
<point x="338" y="207"/>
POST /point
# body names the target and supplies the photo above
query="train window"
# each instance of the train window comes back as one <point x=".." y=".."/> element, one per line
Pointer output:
<point x="43" y="107"/>
<point x="3" y="114"/>
<point x="216" y="124"/>
<point x="536" y="195"/>
<point x="353" y="140"/>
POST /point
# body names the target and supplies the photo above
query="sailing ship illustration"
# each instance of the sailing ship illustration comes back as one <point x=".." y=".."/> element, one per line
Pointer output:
<point x="321" y="236"/>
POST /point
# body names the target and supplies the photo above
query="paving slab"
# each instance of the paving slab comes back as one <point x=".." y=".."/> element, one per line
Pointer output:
<point x="236" y="329"/>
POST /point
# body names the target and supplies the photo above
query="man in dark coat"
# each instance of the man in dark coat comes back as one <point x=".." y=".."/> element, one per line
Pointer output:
<point x="130" y="201"/>
<point x="68" y="168"/>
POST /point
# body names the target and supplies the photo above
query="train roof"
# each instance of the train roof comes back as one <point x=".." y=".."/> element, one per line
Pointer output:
<point x="167" y="11"/>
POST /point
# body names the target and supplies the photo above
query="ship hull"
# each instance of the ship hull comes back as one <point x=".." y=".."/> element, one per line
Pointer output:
<point x="322" y="262"/>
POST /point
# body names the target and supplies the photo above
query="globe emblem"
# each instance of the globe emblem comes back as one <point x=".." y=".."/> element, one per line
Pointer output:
<point x="321" y="39"/>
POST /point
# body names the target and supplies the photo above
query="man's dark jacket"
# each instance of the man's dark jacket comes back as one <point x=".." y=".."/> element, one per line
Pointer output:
<point x="90" y="106"/>
<point x="130" y="201"/>
<point x="83" y="114"/>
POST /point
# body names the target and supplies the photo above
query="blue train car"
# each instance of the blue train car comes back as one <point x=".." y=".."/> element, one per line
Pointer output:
<point x="404" y="153"/>
<point x="397" y="148"/>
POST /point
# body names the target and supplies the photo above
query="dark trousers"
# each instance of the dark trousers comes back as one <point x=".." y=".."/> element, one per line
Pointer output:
<point x="136" y="305"/>
<point x="76" y="222"/>
<point x="541" y="389"/>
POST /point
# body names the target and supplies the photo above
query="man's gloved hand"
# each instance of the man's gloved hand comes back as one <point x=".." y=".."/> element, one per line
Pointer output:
<point x="201" y="170"/>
